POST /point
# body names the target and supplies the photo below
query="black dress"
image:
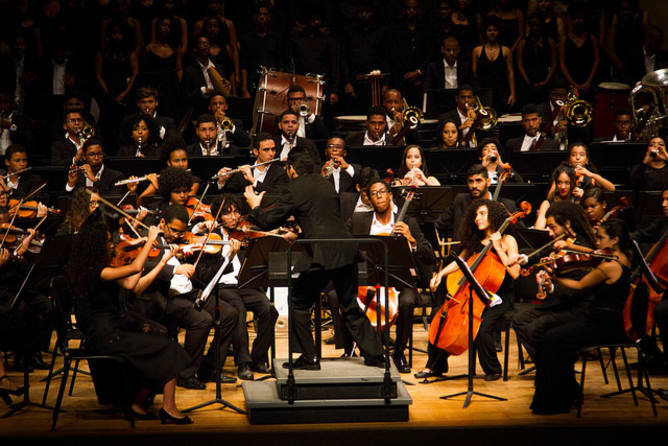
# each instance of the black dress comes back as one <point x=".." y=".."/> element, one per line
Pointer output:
<point x="556" y="387"/>
<point x="493" y="74"/>
<point x="578" y="59"/>
<point x="112" y="330"/>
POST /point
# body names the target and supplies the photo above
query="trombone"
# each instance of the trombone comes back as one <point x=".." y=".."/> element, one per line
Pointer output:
<point x="411" y="118"/>
<point x="486" y="119"/>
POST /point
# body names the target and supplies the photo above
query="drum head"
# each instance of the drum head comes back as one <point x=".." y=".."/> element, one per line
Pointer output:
<point x="614" y="86"/>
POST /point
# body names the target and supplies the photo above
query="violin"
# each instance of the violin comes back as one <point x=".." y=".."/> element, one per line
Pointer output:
<point x="449" y="328"/>
<point x="615" y="211"/>
<point x="28" y="209"/>
<point x="11" y="234"/>
<point x="198" y="211"/>
<point x="192" y="243"/>
<point x="127" y="249"/>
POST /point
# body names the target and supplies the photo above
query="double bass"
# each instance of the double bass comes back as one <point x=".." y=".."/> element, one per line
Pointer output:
<point x="449" y="327"/>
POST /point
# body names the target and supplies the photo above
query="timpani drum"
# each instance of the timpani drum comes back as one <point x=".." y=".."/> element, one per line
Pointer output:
<point x="610" y="97"/>
<point x="271" y="98"/>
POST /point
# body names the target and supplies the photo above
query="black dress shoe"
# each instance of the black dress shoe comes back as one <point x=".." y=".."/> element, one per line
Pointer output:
<point x="261" y="367"/>
<point x="244" y="372"/>
<point x="206" y="375"/>
<point x="302" y="363"/>
<point x="166" y="418"/>
<point x="190" y="383"/>
<point x="425" y="374"/>
<point x="492" y="377"/>
<point x="401" y="363"/>
<point x="142" y="416"/>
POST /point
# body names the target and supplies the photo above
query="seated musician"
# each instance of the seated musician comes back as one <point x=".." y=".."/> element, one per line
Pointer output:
<point x="147" y="104"/>
<point x="565" y="189"/>
<point x="198" y="86"/>
<point x="207" y="143"/>
<point x="533" y="139"/>
<point x="478" y="183"/>
<point x="490" y="157"/>
<point x="173" y="294"/>
<point x="15" y="127"/>
<point x="93" y="172"/>
<point x="479" y="228"/>
<point x="383" y="221"/>
<point x="287" y="139"/>
<point x="448" y="136"/>
<point x="554" y="124"/>
<point x="336" y="169"/>
<point x="376" y="133"/>
<point x="173" y="154"/>
<point x="269" y="177"/>
<point x="140" y="138"/>
<point x="657" y="362"/>
<point x="623" y="127"/>
<point x="586" y="173"/>
<point x="108" y="327"/>
<point x="569" y="228"/>
<point x="413" y="170"/>
<point x="652" y="174"/>
<point x="557" y="389"/>
<point x="358" y="201"/>
<point x="67" y="150"/>
<point x="20" y="185"/>
<point x="311" y="126"/>
<point x="464" y="115"/>
<point x="244" y="300"/>
<point x="393" y="103"/>
<point x="595" y="205"/>
<point x="234" y="135"/>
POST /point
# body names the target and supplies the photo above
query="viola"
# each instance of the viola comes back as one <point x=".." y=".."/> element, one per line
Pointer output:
<point x="28" y="209"/>
<point x="450" y="324"/>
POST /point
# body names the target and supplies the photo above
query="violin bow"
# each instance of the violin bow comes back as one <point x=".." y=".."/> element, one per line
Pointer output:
<point x="199" y="201"/>
<point x="24" y="199"/>
<point x="11" y="223"/>
<point x="206" y="240"/>
<point x="120" y="211"/>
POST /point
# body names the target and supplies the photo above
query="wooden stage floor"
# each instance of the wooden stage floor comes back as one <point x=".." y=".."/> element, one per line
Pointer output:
<point x="604" y="420"/>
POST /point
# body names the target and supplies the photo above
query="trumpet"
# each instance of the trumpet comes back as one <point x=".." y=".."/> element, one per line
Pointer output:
<point x="226" y="124"/>
<point x="86" y="132"/>
<point x="231" y="172"/>
<point x="303" y="110"/>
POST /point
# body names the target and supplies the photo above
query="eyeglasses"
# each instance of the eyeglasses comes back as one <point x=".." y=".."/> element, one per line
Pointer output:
<point x="175" y="231"/>
<point x="378" y="193"/>
<point x="95" y="154"/>
<point x="74" y="120"/>
<point x="335" y="146"/>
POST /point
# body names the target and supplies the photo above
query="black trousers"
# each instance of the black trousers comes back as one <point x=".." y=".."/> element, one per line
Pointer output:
<point x="244" y="300"/>
<point x="407" y="300"/>
<point x="307" y="289"/>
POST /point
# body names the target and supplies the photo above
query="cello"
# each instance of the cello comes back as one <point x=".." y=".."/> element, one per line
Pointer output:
<point x="449" y="328"/>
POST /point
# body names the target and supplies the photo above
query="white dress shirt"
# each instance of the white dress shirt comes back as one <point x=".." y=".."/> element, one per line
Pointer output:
<point x="379" y="228"/>
<point x="369" y="142"/>
<point x="336" y="175"/>
<point x="287" y="146"/>
<point x="207" y="78"/>
<point x="465" y="131"/>
<point x="528" y="141"/>
<point x="450" y="74"/>
<point x="89" y="183"/>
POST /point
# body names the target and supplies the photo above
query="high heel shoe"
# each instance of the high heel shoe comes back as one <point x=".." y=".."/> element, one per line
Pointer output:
<point x="166" y="418"/>
<point x="20" y="391"/>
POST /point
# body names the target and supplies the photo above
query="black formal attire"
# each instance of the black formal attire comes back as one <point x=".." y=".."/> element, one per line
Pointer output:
<point x="560" y="307"/>
<point x="453" y="115"/>
<point x="149" y="150"/>
<point x="346" y="182"/>
<point x="360" y="224"/>
<point x="435" y="75"/>
<point x="356" y="139"/>
<point x="548" y="144"/>
<point x="348" y="202"/>
<point x="315" y="206"/>
<point x="644" y="177"/>
<point x="28" y="182"/>
<point x="306" y="143"/>
<point x="165" y="124"/>
<point x="411" y="50"/>
<point x="21" y="131"/>
<point x="110" y="329"/>
<point x="448" y="222"/>
<point x="556" y="386"/>
<point x="105" y="184"/>
<point x="315" y="52"/>
<point x="315" y="129"/>
<point x="192" y="83"/>
<point x="62" y="152"/>
<point x="260" y="51"/>
<point x="274" y="181"/>
<point x="238" y="137"/>
<point x="199" y="149"/>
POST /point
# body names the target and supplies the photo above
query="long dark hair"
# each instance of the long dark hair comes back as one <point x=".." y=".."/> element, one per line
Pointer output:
<point x="439" y="133"/>
<point x="89" y="252"/>
<point x="563" y="210"/>
<point x="79" y="209"/>
<point x="468" y="233"/>
<point x="615" y="227"/>
<point x="403" y="170"/>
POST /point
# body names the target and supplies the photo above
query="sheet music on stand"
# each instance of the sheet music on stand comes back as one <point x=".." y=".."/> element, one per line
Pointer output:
<point x="402" y="270"/>
<point x="265" y="263"/>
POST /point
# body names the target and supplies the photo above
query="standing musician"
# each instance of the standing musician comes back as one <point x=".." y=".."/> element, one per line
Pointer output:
<point x="207" y="143"/>
<point x="556" y="387"/>
<point x="376" y="133"/>
<point x="227" y="135"/>
<point x="18" y="184"/>
<point x="383" y="221"/>
<point x="94" y="173"/>
<point x="243" y="300"/>
<point x="269" y="177"/>
<point x="288" y="124"/>
<point x="315" y="205"/>
<point x="336" y="169"/>
<point x="568" y="226"/>
<point x="310" y="125"/>
<point x="480" y="228"/>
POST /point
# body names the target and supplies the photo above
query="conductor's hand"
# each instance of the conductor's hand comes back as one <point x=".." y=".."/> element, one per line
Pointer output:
<point x="253" y="199"/>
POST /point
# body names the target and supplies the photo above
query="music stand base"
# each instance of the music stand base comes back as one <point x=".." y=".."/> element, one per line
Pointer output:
<point x="220" y="401"/>
<point x="469" y="395"/>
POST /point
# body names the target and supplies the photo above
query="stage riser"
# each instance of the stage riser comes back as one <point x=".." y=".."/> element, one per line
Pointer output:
<point x="338" y="392"/>
<point x="312" y="415"/>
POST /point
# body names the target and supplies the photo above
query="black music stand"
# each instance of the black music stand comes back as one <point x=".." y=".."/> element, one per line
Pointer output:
<point x="401" y="270"/>
<point x="474" y="286"/>
<point x="429" y="202"/>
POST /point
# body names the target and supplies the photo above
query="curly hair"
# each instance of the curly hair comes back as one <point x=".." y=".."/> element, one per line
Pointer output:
<point x="563" y="211"/>
<point x="153" y="130"/>
<point x="172" y="178"/>
<point x="79" y="209"/>
<point x="89" y="252"/>
<point x="403" y="170"/>
<point x="468" y="233"/>
<point x="171" y="144"/>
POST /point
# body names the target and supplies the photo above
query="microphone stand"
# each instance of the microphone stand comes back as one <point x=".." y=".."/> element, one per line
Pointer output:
<point x="474" y="285"/>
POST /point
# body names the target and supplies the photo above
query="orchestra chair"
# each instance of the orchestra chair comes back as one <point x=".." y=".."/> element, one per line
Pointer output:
<point x="115" y="365"/>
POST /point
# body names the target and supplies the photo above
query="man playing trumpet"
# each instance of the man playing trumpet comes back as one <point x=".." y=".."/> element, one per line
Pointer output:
<point x="229" y="131"/>
<point x="310" y="125"/>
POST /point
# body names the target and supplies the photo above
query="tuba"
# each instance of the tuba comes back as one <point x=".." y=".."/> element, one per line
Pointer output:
<point x="649" y="115"/>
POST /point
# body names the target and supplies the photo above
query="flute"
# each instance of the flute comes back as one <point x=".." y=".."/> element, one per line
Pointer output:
<point x="216" y="176"/>
<point x="137" y="180"/>
<point x="4" y="177"/>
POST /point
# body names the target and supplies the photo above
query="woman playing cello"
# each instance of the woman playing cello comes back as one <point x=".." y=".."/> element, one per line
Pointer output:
<point x="479" y="228"/>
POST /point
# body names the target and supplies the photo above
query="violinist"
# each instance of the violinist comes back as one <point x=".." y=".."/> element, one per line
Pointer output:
<point x="173" y="153"/>
<point x="383" y="221"/>
<point x="564" y="180"/>
<point x="490" y="157"/>
<point x="569" y="228"/>
<point x="20" y="184"/>
<point x="556" y="387"/>
<point x="479" y="228"/>
<point x="478" y="183"/>
<point x="244" y="300"/>
<point x="94" y="172"/>
<point x="269" y="177"/>
<point x="172" y="296"/>
<point x="108" y="327"/>
<point x="315" y="205"/>
<point x="594" y="204"/>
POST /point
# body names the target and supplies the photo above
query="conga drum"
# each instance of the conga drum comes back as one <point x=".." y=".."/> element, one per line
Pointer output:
<point x="271" y="98"/>
<point x="610" y="97"/>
